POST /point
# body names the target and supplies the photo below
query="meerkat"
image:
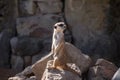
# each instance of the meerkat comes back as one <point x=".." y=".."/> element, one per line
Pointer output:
<point x="60" y="57"/>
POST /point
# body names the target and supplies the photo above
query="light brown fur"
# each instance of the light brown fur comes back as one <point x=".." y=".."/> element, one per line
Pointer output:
<point x="58" y="49"/>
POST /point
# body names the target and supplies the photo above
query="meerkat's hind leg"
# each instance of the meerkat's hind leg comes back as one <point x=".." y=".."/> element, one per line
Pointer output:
<point x="50" y="64"/>
<point x="60" y="68"/>
<point x="55" y="62"/>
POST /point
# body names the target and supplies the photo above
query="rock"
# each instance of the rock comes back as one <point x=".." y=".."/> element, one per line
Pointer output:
<point x="27" y="72"/>
<point x="17" y="78"/>
<point x="47" y="42"/>
<point x="116" y="75"/>
<point x="13" y="44"/>
<point x="38" y="56"/>
<point x="5" y="37"/>
<point x="26" y="7"/>
<point x="49" y="6"/>
<point x="81" y="60"/>
<point x="39" y="67"/>
<point x="55" y="74"/>
<point x="117" y="39"/>
<point x="115" y="30"/>
<point x="26" y="46"/>
<point x="32" y="78"/>
<point x="37" y="26"/>
<point x="27" y="60"/>
<point x="89" y="20"/>
<point x="76" y="12"/>
<point x="103" y="70"/>
<point x="17" y="63"/>
<point x="7" y="15"/>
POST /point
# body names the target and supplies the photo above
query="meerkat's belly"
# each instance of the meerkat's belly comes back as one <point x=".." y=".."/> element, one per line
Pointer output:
<point x="56" y="40"/>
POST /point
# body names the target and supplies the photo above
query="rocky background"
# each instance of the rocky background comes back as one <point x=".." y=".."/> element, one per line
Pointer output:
<point x="26" y="29"/>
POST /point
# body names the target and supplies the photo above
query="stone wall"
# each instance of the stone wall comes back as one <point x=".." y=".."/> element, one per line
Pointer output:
<point x="26" y="29"/>
<point x="7" y="30"/>
<point x="94" y="26"/>
<point x="90" y="26"/>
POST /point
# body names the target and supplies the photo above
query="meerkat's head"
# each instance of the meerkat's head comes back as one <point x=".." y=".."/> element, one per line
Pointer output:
<point x="60" y="26"/>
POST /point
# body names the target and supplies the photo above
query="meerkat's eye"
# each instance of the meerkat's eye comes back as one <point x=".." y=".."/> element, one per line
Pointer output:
<point x="55" y="27"/>
<point x="61" y="25"/>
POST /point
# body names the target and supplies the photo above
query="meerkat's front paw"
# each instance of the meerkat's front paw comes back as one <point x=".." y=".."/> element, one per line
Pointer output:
<point x="50" y="65"/>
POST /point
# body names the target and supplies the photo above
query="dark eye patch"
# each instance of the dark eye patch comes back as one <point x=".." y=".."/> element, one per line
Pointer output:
<point x="55" y="27"/>
<point x="61" y="25"/>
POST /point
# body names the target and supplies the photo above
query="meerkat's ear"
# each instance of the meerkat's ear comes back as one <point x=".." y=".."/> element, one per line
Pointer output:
<point x="64" y="30"/>
<point x="65" y="26"/>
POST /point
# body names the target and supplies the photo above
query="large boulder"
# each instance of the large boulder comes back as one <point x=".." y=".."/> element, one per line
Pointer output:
<point x="8" y="15"/>
<point x="27" y="61"/>
<point x="55" y="74"/>
<point x="88" y="22"/>
<point x="26" y="7"/>
<point x="23" y="48"/>
<point x="26" y="46"/>
<point x="103" y="70"/>
<point x="37" y="26"/>
<point x="26" y="74"/>
<point x="17" y="63"/>
<point x="81" y="60"/>
<point x="38" y="56"/>
<point x="5" y="37"/>
<point x="48" y="6"/>
<point x="39" y="67"/>
<point x="27" y="50"/>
